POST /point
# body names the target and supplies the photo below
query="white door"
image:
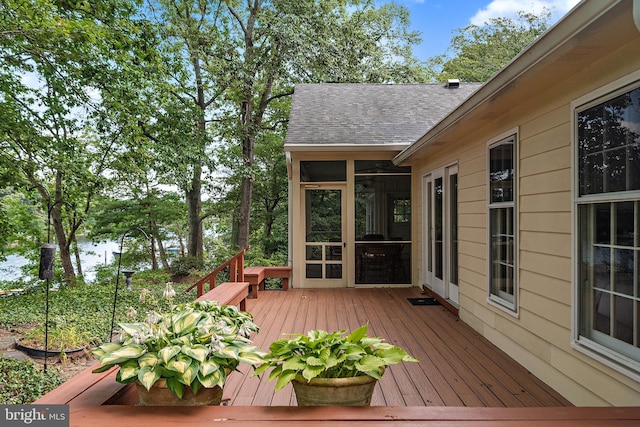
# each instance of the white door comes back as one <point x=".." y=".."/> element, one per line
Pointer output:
<point x="434" y="254"/>
<point x="441" y="232"/>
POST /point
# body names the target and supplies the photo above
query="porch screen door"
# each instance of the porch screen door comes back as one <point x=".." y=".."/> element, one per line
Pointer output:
<point x="324" y="242"/>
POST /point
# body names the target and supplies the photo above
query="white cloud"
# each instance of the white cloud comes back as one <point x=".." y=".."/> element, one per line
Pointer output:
<point x="509" y="8"/>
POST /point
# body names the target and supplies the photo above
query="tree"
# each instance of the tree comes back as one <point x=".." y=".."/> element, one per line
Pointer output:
<point x="279" y="43"/>
<point x="478" y="52"/>
<point x="52" y="57"/>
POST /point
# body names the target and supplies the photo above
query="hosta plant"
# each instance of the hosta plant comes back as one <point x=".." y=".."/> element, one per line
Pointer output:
<point x="320" y="354"/>
<point x="195" y="344"/>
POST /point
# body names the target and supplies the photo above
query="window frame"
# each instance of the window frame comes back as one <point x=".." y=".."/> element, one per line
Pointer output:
<point x="509" y="305"/>
<point x="607" y="350"/>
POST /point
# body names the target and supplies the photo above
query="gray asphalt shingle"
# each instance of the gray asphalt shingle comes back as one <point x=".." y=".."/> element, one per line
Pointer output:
<point x="369" y="114"/>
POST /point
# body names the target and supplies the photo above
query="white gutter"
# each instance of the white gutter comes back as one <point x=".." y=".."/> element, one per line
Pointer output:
<point x="579" y="18"/>
<point x="344" y="147"/>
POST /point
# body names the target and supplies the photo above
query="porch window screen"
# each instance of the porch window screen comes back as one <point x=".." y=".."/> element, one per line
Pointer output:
<point x="608" y="231"/>
<point x="502" y="230"/>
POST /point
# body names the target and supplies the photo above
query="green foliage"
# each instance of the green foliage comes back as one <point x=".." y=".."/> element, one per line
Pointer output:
<point x="478" y="52"/>
<point x="185" y="265"/>
<point x="87" y="308"/>
<point x="194" y="344"/>
<point x="22" y="383"/>
<point x="320" y="354"/>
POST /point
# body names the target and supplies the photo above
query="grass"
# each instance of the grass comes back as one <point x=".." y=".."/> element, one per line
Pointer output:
<point x="78" y="317"/>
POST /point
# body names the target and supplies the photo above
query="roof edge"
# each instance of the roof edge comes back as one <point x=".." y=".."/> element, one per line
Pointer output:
<point x="574" y="22"/>
<point x="344" y="147"/>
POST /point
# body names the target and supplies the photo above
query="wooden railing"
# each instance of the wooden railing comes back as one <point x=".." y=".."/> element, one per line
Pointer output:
<point x="236" y="273"/>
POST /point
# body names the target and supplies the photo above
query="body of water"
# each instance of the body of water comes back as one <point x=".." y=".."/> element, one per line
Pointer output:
<point x="91" y="255"/>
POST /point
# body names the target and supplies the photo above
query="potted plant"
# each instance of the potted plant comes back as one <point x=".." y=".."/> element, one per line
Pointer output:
<point x="184" y="354"/>
<point x="331" y="368"/>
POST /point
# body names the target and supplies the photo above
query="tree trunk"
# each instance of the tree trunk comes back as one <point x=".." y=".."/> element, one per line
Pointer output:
<point x="63" y="244"/>
<point x="244" y="211"/>
<point x="76" y="252"/>
<point x="195" y="242"/>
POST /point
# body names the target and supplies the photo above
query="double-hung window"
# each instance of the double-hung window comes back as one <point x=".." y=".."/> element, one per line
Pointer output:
<point x="607" y="132"/>
<point x="502" y="223"/>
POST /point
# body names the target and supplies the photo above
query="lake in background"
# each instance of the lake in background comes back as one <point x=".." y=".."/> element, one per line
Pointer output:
<point x="91" y="255"/>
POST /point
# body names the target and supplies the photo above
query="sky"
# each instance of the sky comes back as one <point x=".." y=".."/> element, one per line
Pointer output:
<point x="437" y="20"/>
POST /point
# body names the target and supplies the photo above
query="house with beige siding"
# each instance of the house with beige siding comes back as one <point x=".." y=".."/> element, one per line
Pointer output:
<point x="517" y="205"/>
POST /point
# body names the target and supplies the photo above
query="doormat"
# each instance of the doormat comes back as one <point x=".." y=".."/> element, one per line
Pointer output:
<point x="423" y="301"/>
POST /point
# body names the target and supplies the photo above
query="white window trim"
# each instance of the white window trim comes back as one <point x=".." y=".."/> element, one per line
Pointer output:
<point x="511" y="308"/>
<point x="594" y="350"/>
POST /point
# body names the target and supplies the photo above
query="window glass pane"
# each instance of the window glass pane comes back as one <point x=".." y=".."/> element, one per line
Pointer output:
<point x="379" y="166"/>
<point x="453" y="220"/>
<point x="501" y="173"/>
<point x="502" y="278"/>
<point x="314" y="271"/>
<point x="624" y="224"/>
<point x="334" y="253"/>
<point x="383" y="207"/>
<point x="314" y="253"/>
<point x="609" y="145"/>
<point x="323" y="171"/>
<point x="324" y="215"/>
<point x="334" y="271"/>
<point x="608" y="275"/>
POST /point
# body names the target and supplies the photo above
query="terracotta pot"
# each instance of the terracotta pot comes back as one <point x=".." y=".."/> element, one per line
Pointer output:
<point x="353" y="391"/>
<point x="160" y="395"/>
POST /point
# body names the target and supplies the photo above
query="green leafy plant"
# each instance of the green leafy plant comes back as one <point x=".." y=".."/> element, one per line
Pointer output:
<point x="22" y="383"/>
<point x="194" y="344"/>
<point x="320" y="354"/>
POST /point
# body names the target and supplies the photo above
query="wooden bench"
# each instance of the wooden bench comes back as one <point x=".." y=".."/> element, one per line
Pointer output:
<point x="256" y="275"/>
<point x="229" y="293"/>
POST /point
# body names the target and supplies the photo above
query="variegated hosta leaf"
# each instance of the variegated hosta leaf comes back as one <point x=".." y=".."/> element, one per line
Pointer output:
<point x="129" y="370"/>
<point x="198" y="352"/>
<point x="213" y="379"/>
<point x="148" y="359"/>
<point x="186" y="322"/>
<point x="228" y="352"/>
<point x="132" y="351"/>
<point x="183" y="340"/>
<point x="148" y="376"/>
<point x="105" y="348"/>
<point x="189" y="374"/>
<point x="180" y="363"/>
<point x="250" y="358"/>
<point x="131" y="328"/>
<point x="208" y="367"/>
<point x="165" y="354"/>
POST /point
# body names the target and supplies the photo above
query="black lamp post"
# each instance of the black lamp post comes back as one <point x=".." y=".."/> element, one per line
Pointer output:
<point x="127" y="273"/>
<point x="47" y="261"/>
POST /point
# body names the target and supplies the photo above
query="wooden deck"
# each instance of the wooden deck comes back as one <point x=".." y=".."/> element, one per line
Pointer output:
<point x="457" y="366"/>
<point x="462" y="379"/>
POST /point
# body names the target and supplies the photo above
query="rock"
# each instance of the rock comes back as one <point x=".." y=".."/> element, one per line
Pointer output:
<point x="15" y="355"/>
<point x="7" y="342"/>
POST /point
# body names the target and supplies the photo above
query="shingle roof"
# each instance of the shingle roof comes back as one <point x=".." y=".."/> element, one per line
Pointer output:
<point x="366" y="114"/>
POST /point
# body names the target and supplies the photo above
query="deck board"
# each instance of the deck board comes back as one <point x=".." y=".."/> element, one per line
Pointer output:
<point x="457" y="366"/>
